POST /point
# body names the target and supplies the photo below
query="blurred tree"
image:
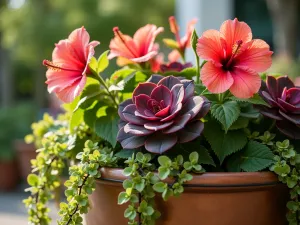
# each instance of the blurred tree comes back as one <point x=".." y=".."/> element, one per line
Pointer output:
<point x="30" y="31"/>
<point x="285" y="19"/>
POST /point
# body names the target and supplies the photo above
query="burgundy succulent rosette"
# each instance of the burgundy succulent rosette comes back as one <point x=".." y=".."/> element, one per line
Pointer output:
<point x="284" y="98"/>
<point x="162" y="112"/>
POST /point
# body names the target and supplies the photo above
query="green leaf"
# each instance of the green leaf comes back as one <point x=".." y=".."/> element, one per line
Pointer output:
<point x="226" y="112"/>
<point x="188" y="73"/>
<point x="240" y="123"/>
<point x="107" y="128"/>
<point x="103" y="62"/>
<point x="256" y="100"/>
<point x="255" y="157"/>
<point x="163" y="172"/>
<point x="123" y="198"/>
<point x="167" y="194"/>
<point x="164" y="160"/>
<point x="292" y="205"/>
<point x="188" y="166"/>
<point x="160" y="187"/>
<point x="149" y="211"/>
<point x="140" y="186"/>
<point x="76" y="118"/>
<point x="93" y="65"/>
<point x="33" y="180"/>
<point x="194" y="157"/>
<point x="224" y="144"/>
<point x="205" y="157"/>
<point x="126" y="153"/>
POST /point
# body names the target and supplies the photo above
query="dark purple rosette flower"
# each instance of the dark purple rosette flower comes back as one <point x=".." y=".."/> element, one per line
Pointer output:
<point x="162" y="112"/>
<point x="284" y="98"/>
<point x="174" y="66"/>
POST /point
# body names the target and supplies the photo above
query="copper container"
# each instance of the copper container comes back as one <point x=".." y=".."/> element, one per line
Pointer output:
<point x="209" y="199"/>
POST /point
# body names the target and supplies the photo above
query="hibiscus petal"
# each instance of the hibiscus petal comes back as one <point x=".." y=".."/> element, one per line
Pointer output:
<point x="169" y="81"/>
<point x="70" y="93"/>
<point x="178" y="124"/>
<point x="246" y="82"/>
<point x="159" y="143"/>
<point x="162" y="93"/>
<point x="155" y="126"/>
<point x="143" y="88"/>
<point x="145" y="58"/>
<point x="130" y="141"/>
<point x="233" y="31"/>
<point x="174" y="56"/>
<point x="190" y="132"/>
<point x="129" y="115"/>
<point x="58" y="80"/>
<point x="256" y="57"/>
<point x="289" y="129"/>
<point x="215" y="78"/>
<point x="124" y="47"/>
<point x="137" y="130"/>
<point x="210" y="46"/>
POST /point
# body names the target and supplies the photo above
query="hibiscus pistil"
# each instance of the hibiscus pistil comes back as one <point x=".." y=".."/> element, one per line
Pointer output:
<point x="235" y="51"/>
<point x="54" y="66"/>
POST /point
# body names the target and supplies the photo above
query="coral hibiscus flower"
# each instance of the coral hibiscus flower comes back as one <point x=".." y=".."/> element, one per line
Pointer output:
<point x="66" y="74"/>
<point x="184" y="42"/>
<point x="140" y="48"/>
<point x="234" y="59"/>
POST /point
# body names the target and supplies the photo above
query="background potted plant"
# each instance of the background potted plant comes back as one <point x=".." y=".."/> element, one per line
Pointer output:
<point x="219" y="135"/>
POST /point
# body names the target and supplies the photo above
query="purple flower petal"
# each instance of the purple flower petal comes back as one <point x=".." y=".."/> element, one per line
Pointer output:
<point x="294" y="95"/>
<point x="155" y="126"/>
<point x="162" y="93"/>
<point x="129" y="141"/>
<point x="122" y="107"/>
<point x="272" y="87"/>
<point x="272" y="113"/>
<point x="169" y="81"/>
<point x="204" y="110"/>
<point x="178" y="124"/>
<point x="176" y="110"/>
<point x="145" y="117"/>
<point x="177" y="95"/>
<point x="284" y="82"/>
<point x="129" y="115"/>
<point x="121" y="124"/>
<point x="268" y="98"/>
<point x="143" y="88"/>
<point x="155" y="78"/>
<point x="189" y="89"/>
<point x="190" y="132"/>
<point x="141" y="103"/>
<point x="159" y="143"/>
<point x="136" y="130"/>
<point x="289" y="129"/>
<point x="294" y="118"/>
<point x="286" y="107"/>
<point x="192" y="106"/>
<point x="164" y="112"/>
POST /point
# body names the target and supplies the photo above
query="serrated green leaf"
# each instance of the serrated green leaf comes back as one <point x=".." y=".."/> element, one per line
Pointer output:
<point x="107" y="128"/>
<point x="103" y="62"/>
<point x="255" y="157"/>
<point x="126" y="153"/>
<point x="224" y="144"/>
<point x="256" y="100"/>
<point x="240" y="123"/>
<point x="205" y="157"/>
<point x="76" y="118"/>
<point x="226" y="113"/>
<point x="188" y="73"/>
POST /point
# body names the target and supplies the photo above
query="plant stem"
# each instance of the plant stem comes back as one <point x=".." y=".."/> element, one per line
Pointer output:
<point x="198" y="68"/>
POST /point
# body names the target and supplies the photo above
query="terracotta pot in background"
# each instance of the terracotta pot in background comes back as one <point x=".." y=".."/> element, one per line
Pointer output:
<point x="209" y="199"/>
<point x="25" y="152"/>
<point x="9" y="176"/>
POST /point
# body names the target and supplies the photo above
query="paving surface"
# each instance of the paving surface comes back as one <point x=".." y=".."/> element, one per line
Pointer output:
<point x="12" y="210"/>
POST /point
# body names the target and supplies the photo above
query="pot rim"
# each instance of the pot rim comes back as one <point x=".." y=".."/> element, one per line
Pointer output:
<point x="209" y="179"/>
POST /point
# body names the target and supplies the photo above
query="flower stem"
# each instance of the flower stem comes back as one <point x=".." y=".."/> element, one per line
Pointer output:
<point x="199" y="68"/>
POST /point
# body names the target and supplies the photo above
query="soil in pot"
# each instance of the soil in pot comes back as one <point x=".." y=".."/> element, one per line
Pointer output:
<point x="209" y="199"/>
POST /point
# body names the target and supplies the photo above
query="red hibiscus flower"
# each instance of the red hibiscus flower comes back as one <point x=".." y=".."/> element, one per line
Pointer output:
<point x="140" y="48"/>
<point x="66" y="74"/>
<point x="184" y="42"/>
<point x="234" y="59"/>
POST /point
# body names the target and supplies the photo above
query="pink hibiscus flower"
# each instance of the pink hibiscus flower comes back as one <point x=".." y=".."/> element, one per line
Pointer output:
<point x="184" y="42"/>
<point x="140" y="48"/>
<point x="233" y="59"/>
<point x="66" y="74"/>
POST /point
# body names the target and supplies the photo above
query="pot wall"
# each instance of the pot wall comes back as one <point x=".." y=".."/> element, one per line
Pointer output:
<point x="209" y="199"/>
<point x="9" y="175"/>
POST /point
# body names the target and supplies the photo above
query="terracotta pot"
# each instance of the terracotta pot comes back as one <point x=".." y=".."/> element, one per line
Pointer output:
<point x="209" y="199"/>
<point x="25" y="153"/>
<point x="9" y="175"/>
